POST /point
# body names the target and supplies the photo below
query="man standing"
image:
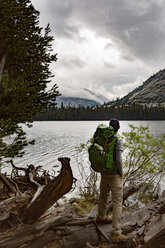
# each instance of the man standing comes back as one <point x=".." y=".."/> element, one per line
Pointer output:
<point x="113" y="182"/>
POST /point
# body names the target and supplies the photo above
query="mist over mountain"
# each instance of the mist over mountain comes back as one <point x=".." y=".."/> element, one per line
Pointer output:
<point x="75" y="102"/>
<point x="99" y="98"/>
<point x="88" y="99"/>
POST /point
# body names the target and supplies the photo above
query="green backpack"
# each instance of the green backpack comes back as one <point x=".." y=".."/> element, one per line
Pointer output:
<point x="102" y="149"/>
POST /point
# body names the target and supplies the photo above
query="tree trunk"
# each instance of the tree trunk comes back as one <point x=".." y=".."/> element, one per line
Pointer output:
<point x="7" y="184"/>
<point x="50" y="193"/>
<point x="61" y="227"/>
<point x="157" y="241"/>
<point x="2" y="61"/>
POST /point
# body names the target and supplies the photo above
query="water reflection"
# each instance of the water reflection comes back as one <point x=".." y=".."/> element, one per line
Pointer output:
<point x="59" y="138"/>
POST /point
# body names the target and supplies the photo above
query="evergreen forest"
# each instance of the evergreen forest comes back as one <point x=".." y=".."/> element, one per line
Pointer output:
<point x="132" y="112"/>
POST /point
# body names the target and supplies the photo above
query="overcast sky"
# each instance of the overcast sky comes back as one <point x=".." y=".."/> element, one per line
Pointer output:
<point x="106" y="46"/>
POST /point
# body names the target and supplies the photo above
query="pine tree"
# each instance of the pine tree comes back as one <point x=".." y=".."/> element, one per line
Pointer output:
<point x="25" y="57"/>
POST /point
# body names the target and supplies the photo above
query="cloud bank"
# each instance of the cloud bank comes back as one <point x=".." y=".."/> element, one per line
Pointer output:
<point x="109" y="47"/>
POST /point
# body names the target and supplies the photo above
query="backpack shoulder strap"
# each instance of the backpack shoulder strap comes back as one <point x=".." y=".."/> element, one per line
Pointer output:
<point x="110" y="139"/>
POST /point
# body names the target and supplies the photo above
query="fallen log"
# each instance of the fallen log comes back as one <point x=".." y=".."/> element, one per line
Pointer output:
<point x="44" y="197"/>
<point x="63" y="228"/>
<point x="8" y="184"/>
<point x="128" y="191"/>
<point x="12" y="205"/>
<point x="53" y="191"/>
<point x="157" y="241"/>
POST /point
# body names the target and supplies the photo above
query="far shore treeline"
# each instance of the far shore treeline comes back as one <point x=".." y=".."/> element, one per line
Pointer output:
<point x="132" y="112"/>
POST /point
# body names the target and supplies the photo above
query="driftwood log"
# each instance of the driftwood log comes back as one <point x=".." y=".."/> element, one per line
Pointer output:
<point x="48" y="195"/>
<point x="44" y="197"/>
<point x="61" y="227"/>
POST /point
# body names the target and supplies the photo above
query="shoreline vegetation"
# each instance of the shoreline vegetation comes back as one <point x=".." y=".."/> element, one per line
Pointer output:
<point x="31" y="216"/>
<point x="64" y="226"/>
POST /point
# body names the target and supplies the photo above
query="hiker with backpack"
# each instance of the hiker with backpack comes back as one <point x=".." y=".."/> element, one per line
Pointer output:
<point x="105" y="157"/>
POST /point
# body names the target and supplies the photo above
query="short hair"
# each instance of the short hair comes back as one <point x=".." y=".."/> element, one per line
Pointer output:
<point x="115" y="124"/>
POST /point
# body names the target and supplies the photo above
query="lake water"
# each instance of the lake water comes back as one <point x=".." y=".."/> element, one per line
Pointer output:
<point x="60" y="138"/>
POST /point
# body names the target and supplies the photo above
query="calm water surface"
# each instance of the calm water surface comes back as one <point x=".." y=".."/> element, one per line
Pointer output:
<point x="60" y="138"/>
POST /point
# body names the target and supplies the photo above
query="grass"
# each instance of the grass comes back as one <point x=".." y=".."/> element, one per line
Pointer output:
<point x="83" y="205"/>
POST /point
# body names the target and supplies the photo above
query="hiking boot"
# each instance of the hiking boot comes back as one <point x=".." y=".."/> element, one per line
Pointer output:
<point x="120" y="238"/>
<point x="107" y="219"/>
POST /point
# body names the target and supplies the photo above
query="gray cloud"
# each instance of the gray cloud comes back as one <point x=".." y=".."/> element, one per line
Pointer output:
<point x="108" y="46"/>
<point x="109" y="66"/>
<point x="128" y="57"/>
<point x="68" y="31"/>
<point x="72" y="62"/>
<point x="135" y="28"/>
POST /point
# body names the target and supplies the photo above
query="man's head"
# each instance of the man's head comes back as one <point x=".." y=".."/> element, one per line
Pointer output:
<point x="115" y="124"/>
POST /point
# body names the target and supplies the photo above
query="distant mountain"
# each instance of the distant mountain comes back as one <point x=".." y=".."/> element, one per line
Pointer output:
<point x="75" y="102"/>
<point x="89" y="99"/>
<point x="151" y="92"/>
